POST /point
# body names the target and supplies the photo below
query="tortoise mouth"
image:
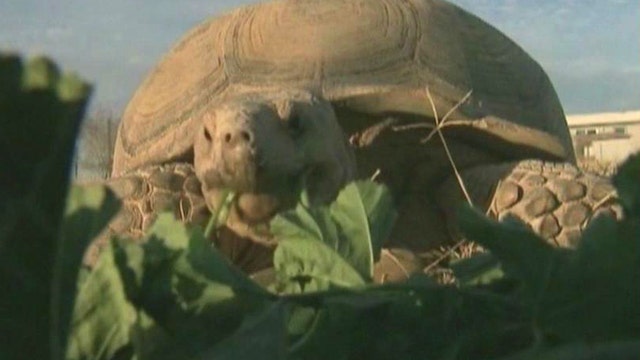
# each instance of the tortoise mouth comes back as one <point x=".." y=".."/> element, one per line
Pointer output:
<point x="256" y="208"/>
<point x="254" y="177"/>
<point x="260" y="192"/>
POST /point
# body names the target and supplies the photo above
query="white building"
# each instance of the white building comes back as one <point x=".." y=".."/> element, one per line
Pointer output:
<point x="608" y="137"/>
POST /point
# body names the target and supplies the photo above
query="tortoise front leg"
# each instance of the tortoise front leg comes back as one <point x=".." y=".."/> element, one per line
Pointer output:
<point x="145" y="193"/>
<point x="556" y="200"/>
<point x="172" y="187"/>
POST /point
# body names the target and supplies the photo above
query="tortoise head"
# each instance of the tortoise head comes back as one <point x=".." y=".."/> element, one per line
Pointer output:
<point x="267" y="147"/>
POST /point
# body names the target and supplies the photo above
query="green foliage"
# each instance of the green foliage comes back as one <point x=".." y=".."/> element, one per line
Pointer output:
<point x="334" y="246"/>
<point x="626" y="182"/>
<point x="40" y="112"/>
<point x="88" y="211"/>
<point x="178" y="298"/>
<point x="172" y="296"/>
<point x="479" y="269"/>
<point x="175" y="297"/>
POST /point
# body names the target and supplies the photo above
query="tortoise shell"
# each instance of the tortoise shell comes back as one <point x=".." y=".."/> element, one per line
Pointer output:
<point x="373" y="56"/>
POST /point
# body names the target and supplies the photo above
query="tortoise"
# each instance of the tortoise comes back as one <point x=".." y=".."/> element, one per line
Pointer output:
<point x="337" y="90"/>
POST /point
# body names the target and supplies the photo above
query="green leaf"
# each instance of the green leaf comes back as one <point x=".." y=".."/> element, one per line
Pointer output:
<point x="191" y="290"/>
<point x="42" y="74"/>
<point x="219" y="216"/>
<point x="174" y="291"/>
<point x="72" y="87"/>
<point x="521" y="253"/>
<point x="88" y="211"/>
<point x="598" y="295"/>
<point x="583" y="351"/>
<point x="261" y="336"/>
<point x="303" y="222"/>
<point x="479" y="269"/>
<point x="307" y="265"/>
<point x="104" y="317"/>
<point x="350" y="233"/>
<point x="627" y="182"/>
<point x="381" y="213"/>
<point x="37" y="138"/>
<point x="354" y="236"/>
<point x="407" y="322"/>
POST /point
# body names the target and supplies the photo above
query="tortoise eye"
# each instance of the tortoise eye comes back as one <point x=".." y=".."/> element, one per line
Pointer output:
<point x="207" y="135"/>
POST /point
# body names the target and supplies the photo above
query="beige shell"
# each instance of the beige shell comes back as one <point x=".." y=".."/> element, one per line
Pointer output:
<point x="370" y="55"/>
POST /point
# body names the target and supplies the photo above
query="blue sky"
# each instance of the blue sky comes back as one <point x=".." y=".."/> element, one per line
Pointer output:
<point x="590" y="48"/>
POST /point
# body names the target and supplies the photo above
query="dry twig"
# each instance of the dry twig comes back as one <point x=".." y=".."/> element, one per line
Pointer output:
<point x="438" y="130"/>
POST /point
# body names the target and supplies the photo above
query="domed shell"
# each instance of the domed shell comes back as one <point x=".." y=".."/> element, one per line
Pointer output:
<point x="371" y="55"/>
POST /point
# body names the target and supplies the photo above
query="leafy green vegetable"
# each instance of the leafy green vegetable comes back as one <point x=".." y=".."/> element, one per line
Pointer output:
<point x="261" y="336"/>
<point x="381" y="214"/>
<point x="104" y="321"/>
<point x="626" y="182"/>
<point x="172" y="292"/>
<point x="323" y="247"/>
<point x="179" y="298"/>
<point x="219" y="217"/>
<point x="305" y="265"/>
<point x="479" y="269"/>
<point x="88" y="211"/>
<point x="583" y="351"/>
<point x="40" y="112"/>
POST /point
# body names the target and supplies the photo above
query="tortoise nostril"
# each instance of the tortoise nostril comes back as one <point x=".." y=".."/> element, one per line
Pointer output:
<point x="238" y="137"/>
<point x="246" y="136"/>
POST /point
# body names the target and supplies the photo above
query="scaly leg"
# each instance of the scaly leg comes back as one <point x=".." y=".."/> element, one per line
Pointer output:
<point x="555" y="199"/>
